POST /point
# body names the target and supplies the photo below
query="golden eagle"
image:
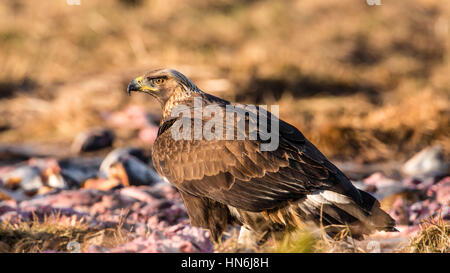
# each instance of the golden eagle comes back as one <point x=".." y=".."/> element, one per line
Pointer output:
<point x="226" y="181"/>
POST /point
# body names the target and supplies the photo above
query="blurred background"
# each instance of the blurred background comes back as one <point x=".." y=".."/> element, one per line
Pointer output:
<point x="369" y="85"/>
<point x="364" y="83"/>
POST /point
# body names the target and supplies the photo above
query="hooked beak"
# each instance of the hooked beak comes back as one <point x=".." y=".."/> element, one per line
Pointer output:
<point x="136" y="85"/>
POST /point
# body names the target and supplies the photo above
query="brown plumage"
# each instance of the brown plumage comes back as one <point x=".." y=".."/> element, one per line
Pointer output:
<point x="225" y="182"/>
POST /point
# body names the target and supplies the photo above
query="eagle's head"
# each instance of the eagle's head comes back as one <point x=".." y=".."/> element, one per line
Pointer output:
<point x="162" y="84"/>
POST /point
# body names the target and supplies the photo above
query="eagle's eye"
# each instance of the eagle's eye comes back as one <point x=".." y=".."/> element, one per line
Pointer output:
<point x="158" y="81"/>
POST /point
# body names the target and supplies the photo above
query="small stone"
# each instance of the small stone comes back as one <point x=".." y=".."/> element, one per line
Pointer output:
<point x="27" y="178"/>
<point x="427" y="163"/>
<point x="101" y="184"/>
<point x="53" y="178"/>
<point x="399" y="212"/>
<point x="44" y="190"/>
<point x="132" y="117"/>
<point x="76" y="170"/>
<point x="382" y="186"/>
<point x="130" y="167"/>
<point x="118" y="155"/>
<point x="441" y="191"/>
<point x="148" y="134"/>
<point x="92" y="140"/>
<point x="4" y="196"/>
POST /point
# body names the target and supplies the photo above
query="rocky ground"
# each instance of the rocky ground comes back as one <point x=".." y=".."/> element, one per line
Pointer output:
<point x="121" y="193"/>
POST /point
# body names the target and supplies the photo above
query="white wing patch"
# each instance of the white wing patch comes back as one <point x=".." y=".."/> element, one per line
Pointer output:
<point x="328" y="197"/>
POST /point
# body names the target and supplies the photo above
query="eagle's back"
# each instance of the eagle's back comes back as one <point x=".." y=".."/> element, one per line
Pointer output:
<point x="226" y="181"/>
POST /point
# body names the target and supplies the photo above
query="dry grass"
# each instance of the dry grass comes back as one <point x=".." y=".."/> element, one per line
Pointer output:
<point x="55" y="233"/>
<point x="366" y="83"/>
<point x="433" y="237"/>
<point x="343" y="127"/>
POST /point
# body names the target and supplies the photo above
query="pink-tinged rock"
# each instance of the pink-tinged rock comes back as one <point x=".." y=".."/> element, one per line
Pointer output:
<point x="150" y="209"/>
<point x="181" y="238"/>
<point x="379" y="179"/>
<point x="5" y="170"/>
<point x="50" y="251"/>
<point x="97" y="249"/>
<point x="10" y="203"/>
<point x="195" y="235"/>
<point x="141" y="244"/>
<point x="156" y="210"/>
<point x="441" y="191"/>
<point x="152" y="221"/>
<point x="418" y="184"/>
<point x="169" y="191"/>
<point x="148" y="134"/>
<point x="81" y="199"/>
<point x="108" y="202"/>
<point x="383" y="186"/>
<point x="412" y="182"/>
<point x="424" y="210"/>
<point x="10" y="216"/>
<point x="4" y="208"/>
<point x="132" y="117"/>
<point x="173" y="214"/>
<point x="417" y="212"/>
<point x="138" y="193"/>
<point x="187" y="247"/>
<point x="399" y="212"/>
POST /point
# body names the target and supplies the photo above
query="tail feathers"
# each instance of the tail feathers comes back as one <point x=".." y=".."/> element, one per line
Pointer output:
<point x="336" y="212"/>
<point x="378" y="217"/>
